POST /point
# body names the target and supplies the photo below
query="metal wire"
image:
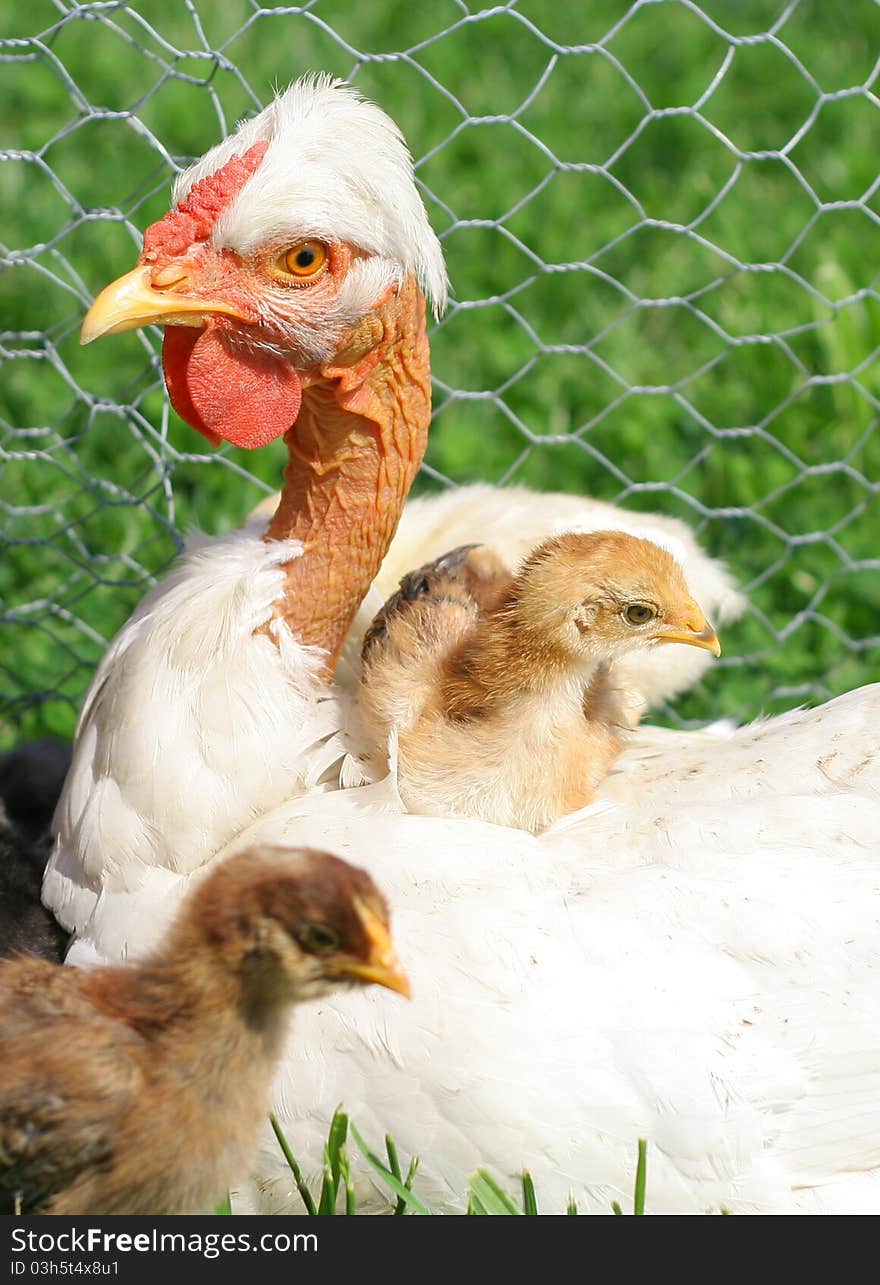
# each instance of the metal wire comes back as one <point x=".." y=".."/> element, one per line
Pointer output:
<point x="680" y="344"/>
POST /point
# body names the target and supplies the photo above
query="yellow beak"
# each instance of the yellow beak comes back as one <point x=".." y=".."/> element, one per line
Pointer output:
<point x="697" y="632"/>
<point x="134" y="300"/>
<point x="389" y="974"/>
<point x="383" y="967"/>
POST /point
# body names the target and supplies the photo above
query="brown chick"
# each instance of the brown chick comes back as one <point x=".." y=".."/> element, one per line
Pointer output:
<point x="501" y="689"/>
<point x="141" y="1088"/>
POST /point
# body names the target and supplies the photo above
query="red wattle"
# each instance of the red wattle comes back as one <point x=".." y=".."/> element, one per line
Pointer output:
<point x="226" y="392"/>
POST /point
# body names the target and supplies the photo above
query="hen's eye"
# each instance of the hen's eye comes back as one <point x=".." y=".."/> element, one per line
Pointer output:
<point x="305" y="259"/>
<point x="317" y="939"/>
<point x="638" y="613"/>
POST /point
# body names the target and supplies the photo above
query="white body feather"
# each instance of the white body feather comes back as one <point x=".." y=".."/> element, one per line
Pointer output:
<point x="702" y="974"/>
<point x="693" y="959"/>
<point x="194" y="725"/>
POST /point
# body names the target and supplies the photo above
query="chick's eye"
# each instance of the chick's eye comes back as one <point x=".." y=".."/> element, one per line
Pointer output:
<point x="305" y="259"/>
<point x="317" y="939"/>
<point x="638" y="613"/>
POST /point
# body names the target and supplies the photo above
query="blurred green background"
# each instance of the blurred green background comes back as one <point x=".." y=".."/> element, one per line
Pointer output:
<point x="663" y="233"/>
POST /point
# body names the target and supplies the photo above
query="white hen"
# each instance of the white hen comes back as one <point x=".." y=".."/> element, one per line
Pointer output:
<point x="209" y="708"/>
<point x="692" y="960"/>
<point x="696" y="965"/>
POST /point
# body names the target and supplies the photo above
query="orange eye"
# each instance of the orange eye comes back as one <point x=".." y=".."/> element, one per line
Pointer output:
<point x="305" y="259"/>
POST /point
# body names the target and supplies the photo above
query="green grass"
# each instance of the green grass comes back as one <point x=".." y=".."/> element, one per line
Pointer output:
<point x="485" y="1194"/>
<point x="745" y="400"/>
<point x="337" y="1194"/>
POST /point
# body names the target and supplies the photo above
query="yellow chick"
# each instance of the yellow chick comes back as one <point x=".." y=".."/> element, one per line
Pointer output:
<point x="501" y="690"/>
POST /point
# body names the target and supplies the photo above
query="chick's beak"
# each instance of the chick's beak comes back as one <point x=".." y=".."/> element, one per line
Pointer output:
<point x="149" y="296"/>
<point x="696" y="632"/>
<point x="382" y="966"/>
<point x="388" y="974"/>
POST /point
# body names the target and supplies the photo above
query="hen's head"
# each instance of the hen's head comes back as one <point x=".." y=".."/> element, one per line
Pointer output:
<point x="283" y="242"/>
<point x="597" y="595"/>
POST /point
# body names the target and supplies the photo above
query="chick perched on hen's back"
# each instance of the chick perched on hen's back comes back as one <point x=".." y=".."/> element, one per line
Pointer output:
<point x="501" y="689"/>
<point x="141" y="1088"/>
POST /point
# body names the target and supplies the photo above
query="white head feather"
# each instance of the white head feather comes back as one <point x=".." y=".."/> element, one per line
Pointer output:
<point x="337" y="168"/>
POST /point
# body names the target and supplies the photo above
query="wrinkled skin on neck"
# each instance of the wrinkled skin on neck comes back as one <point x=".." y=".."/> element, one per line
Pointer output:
<point x="354" y="451"/>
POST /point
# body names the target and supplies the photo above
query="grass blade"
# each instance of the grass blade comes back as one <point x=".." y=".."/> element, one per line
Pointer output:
<point x="571" y="1207"/>
<point x="335" y="1142"/>
<point x="388" y="1177"/>
<point x="301" y="1187"/>
<point x="394" y="1162"/>
<point x="530" y="1201"/>
<point x="489" y="1193"/>
<point x="641" y="1182"/>
<point x="345" y="1171"/>
<point x="224" y="1206"/>
<point x="327" y="1202"/>
<point x="641" y="1178"/>
<point x="408" y="1182"/>
<point x="334" y="1150"/>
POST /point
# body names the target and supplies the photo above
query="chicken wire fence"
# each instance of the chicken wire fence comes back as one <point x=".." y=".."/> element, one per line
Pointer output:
<point x="661" y="223"/>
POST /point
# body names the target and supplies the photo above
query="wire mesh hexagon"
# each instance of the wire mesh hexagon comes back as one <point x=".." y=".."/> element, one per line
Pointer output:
<point x="661" y="222"/>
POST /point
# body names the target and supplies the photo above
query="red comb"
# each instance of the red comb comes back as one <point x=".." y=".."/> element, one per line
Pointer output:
<point x="195" y="216"/>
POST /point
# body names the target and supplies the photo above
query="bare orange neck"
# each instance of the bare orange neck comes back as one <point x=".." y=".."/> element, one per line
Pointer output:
<point x="354" y="452"/>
